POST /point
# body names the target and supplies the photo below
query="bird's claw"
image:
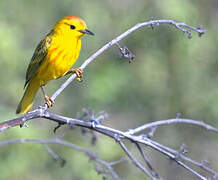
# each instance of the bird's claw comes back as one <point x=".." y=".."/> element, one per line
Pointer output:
<point x="49" y="101"/>
<point x="79" y="74"/>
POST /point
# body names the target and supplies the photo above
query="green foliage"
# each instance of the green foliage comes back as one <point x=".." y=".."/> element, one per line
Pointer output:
<point x="170" y="74"/>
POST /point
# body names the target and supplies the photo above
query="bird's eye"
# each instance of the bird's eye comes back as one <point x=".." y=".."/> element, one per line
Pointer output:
<point x="72" y="27"/>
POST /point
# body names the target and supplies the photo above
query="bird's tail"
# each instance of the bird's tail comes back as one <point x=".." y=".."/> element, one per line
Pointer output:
<point x="28" y="97"/>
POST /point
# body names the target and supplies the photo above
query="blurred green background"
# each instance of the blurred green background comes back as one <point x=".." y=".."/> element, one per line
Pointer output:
<point x="171" y="74"/>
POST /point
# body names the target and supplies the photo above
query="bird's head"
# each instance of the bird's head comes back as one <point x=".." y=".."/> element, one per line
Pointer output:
<point x="72" y="26"/>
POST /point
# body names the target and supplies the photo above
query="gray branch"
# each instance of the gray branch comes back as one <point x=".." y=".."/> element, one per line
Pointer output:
<point x="172" y="121"/>
<point x="91" y="155"/>
<point x="181" y="26"/>
<point x="119" y="136"/>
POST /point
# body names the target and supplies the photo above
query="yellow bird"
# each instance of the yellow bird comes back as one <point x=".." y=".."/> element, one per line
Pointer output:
<point x="53" y="58"/>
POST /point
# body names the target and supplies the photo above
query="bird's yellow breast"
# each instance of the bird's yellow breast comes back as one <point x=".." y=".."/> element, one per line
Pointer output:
<point x="62" y="54"/>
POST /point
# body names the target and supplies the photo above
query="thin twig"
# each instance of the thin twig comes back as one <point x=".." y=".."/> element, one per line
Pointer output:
<point x="91" y="155"/>
<point x="114" y="133"/>
<point x="118" y="161"/>
<point x="54" y="155"/>
<point x="173" y="121"/>
<point x="180" y="26"/>
<point x="135" y="162"/>
<point x="147" y="161"/>
<point x="181" y="156"/>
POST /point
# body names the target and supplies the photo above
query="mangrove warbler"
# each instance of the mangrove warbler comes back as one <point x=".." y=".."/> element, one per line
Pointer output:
<point x="53" y="58"/>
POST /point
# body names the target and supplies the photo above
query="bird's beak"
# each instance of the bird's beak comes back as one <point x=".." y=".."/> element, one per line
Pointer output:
<point x="86" y="31"/>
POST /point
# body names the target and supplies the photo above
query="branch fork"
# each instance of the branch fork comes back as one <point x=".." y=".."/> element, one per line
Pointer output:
<point x="141" y="140"/>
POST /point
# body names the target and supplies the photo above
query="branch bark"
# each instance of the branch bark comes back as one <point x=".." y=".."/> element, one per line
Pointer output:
<point x="186" y="29"/>
<point x="119" y="136"/>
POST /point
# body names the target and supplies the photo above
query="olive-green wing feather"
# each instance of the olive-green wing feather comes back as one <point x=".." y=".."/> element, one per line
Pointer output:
<point x="38" y="58"/>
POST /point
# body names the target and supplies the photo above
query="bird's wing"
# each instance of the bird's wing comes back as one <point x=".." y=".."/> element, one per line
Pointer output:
<point x="38" y="57"/>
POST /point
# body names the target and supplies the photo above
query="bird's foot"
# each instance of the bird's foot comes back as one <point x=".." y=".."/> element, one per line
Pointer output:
<point x="79" y="74"/>
<point x="49" y="101"/>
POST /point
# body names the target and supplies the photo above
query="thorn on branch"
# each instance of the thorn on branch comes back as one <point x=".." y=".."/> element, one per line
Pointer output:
<point x="94" y="122"/>
<point x="89" y="113"/>
<point x="63" y="162"/>
<point x="185" y="31"/>
<point x="102" y="115"/>
<point x="181" y="151"/>
<point x="189" y="34"/>
<point x="23" y="122"/>
<point x="153" y="24"/>
<point x="54" y="155"/>
<point x="205" y="163"/>
<point x="112" y="163"/>
<point x="58" y="126"/>
<point x="188" y="29"/>
<point x="178" y="115"/>
<point x="149" y="134"/>
<point x="101" y="170"/>
<point x="126" y="53"/>
<point x="94" y="138"/>
<point x="201" y="31"/>
<point x="117" y="138"/>
<point x="130" y="131"/>
<point x="24" y="125"/>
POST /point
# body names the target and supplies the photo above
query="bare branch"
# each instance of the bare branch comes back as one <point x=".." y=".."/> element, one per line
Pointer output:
<point x="54" y="155"/>
<point x="135" y="162"/>
<point x="147" y="161"/>
<point x="91" y="155"/>
<point x="20" y="121"/>
<point x="182" y="157"/>
<point x="181" y="26"/>
<point x="172" y="121"/>
<point x="117" y="135"/>
<point x="178" y="157"/>
<point x="118" y="161"/>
